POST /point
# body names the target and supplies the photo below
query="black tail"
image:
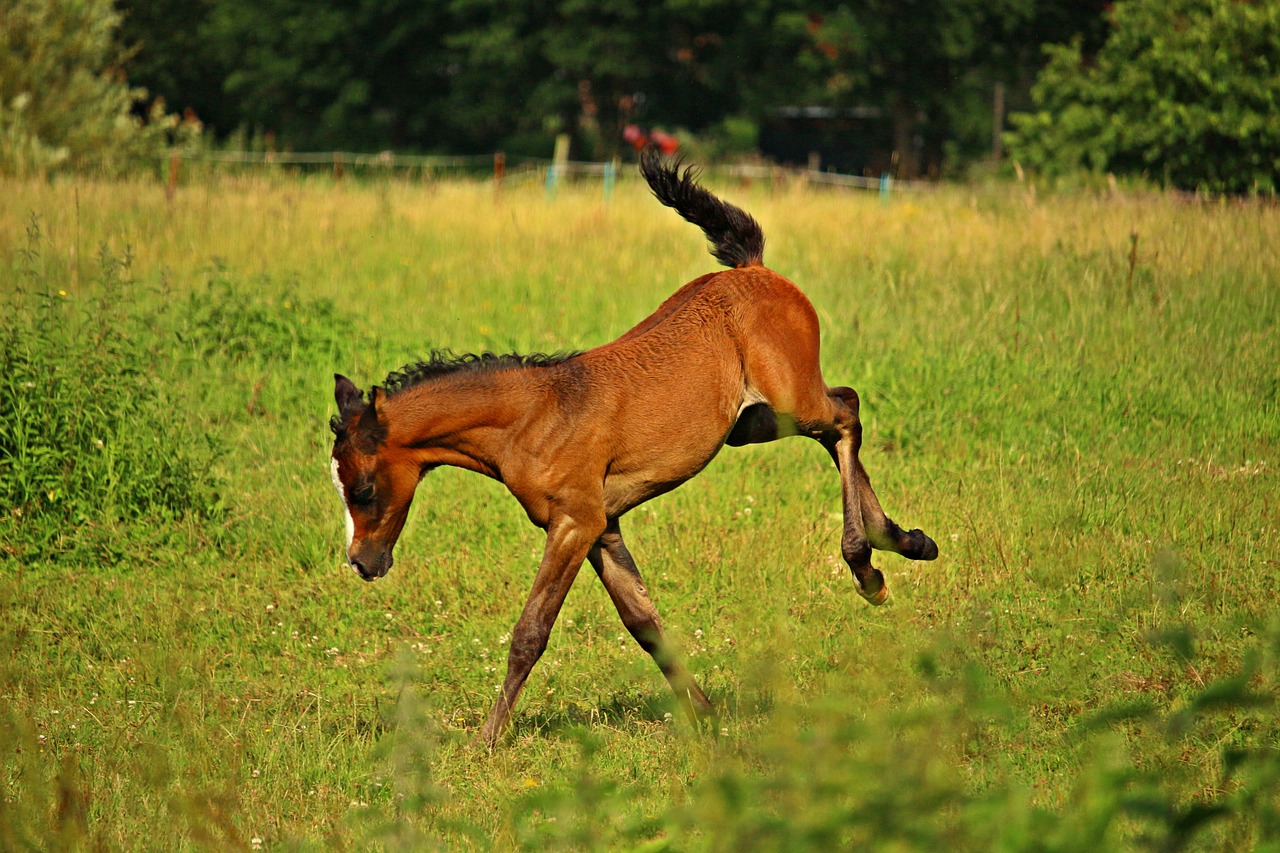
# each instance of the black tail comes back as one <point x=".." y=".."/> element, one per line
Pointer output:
<point x="736" y="238"/>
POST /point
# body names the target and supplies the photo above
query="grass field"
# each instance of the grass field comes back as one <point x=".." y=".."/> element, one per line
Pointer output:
<point x="1078" y="397"/>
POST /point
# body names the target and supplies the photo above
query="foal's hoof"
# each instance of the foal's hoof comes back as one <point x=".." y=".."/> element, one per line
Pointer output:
<point x="921" y="547"/>
<point x="875" y="591"/>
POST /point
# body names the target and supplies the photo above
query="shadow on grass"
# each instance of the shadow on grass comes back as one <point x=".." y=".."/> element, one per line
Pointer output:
<point x="629" y="710"/>
<point x="621" y="711"/>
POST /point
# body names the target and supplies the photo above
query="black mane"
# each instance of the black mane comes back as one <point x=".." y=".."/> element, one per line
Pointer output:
<point x="443" y="362"/>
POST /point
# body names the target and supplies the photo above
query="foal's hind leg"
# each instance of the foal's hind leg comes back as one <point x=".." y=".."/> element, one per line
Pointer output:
<point x="782" y="366"/>
<point x="883" y="532"/>
<point x="832" y="419"/>
<point x="613" y="563"/>
<point x="855" y="546"/>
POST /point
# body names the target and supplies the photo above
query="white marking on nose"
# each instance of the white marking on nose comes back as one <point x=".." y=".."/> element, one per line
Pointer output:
<point x="342" y="493"/>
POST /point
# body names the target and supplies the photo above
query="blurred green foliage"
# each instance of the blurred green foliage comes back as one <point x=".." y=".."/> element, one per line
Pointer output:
<point x="1185" y="93"/>
<point x="64" y="100"/>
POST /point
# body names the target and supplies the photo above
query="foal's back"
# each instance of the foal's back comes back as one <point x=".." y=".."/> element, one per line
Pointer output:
<point x="664" y="396"/>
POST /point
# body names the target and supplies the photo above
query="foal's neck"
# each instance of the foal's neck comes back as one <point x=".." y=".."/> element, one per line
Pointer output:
<point x="461" y="421"/>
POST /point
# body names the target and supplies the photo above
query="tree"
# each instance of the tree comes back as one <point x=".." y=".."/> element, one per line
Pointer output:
<point x="64" y="102"/>
<point x="170" y="52"/>
<point x="1185" y="92"/>
<point x="529" y="68"/>
<point x="476" y="75"/>
<point x="465" y="75"/>
<point x="502" y="90"/>
<point x="350" y="73"/>
<point x="916" y="60"/>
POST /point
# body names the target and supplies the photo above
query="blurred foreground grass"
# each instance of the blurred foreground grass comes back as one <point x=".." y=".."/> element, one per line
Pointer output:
<point x="1079" y="397"/>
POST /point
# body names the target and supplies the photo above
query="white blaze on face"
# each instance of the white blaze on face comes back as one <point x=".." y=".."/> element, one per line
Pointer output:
<point x="342" y="493"/>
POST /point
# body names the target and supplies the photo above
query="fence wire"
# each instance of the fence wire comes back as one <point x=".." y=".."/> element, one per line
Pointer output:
<point x="518" y="168"/>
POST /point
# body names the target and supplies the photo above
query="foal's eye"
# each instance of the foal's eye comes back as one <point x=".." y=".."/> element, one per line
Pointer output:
<point x="362" y="496"/>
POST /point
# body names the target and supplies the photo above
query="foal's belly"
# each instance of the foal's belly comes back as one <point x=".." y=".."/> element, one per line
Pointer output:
<point x="627" y="491"/>
<point x="664" y="457"/>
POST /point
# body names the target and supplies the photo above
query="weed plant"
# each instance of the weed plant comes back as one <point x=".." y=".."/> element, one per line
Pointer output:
<point x="89" y="441"/>
<point x="1077" y="396"/>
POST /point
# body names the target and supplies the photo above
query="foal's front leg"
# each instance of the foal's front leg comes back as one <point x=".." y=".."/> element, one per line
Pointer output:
<point x="617" y="570"/>
<point x="568" y="541"/>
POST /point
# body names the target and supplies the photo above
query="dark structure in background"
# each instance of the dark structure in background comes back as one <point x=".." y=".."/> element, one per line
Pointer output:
<point x="854" y="141"/>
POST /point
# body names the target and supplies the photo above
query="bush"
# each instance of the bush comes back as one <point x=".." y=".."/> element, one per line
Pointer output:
<point x="1184" y="92"/>
<point x="223" y="320"/>
<point x="88" y="437"/>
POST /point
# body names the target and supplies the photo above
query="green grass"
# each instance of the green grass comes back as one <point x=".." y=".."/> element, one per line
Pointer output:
<point x="1090" y="429"/>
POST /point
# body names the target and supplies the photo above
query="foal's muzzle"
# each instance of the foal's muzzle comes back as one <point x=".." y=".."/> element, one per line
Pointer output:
<point x="370" y="563"/>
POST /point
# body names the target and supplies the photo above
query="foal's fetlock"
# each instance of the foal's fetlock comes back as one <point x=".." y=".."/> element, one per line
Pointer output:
<point x="920" y="546"/>
<point x="486" y="740"/>
<point x="872" y="587"/>
<point x="695" y="703"/>
<point x="705" y="722"/>
<point x="869" y="579"/>
<point x="699" y="705"/>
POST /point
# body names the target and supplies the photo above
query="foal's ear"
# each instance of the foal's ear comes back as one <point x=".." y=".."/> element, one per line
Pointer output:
<point x="369" y="417"/>
<point x="346" y="394"/>
<point x="371" y="431"/>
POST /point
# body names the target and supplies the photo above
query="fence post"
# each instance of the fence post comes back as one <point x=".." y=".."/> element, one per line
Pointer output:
<point x="558" y="162"/>
<point x="610" y="172"/>
<point x="885" y="181"/>
<point x="337" y="166"/>
<point x="499" y="171"/>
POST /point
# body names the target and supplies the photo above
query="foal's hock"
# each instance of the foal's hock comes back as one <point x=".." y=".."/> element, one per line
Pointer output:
<point x="580" y="439"/>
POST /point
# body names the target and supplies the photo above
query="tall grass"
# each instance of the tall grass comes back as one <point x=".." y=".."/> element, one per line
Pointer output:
<point x="1077" y="396"/>
<point x="88" y="441"/>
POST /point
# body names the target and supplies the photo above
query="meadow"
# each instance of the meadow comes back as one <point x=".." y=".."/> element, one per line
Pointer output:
<point x="1076" y="395"/>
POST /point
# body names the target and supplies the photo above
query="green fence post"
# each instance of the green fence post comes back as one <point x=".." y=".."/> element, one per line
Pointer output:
<point x="610" y="171"/>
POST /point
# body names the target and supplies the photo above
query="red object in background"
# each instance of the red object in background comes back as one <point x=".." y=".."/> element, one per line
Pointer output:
<point x="633" y="134"/>
<point x="666" y="143"/>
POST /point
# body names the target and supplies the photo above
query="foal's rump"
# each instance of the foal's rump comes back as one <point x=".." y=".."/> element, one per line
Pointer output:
<point x="748" y="329"/>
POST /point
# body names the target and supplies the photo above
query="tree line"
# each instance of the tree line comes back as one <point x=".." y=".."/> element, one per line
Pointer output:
<point x="1182" y="92"/>
<point x="473" y="76"/>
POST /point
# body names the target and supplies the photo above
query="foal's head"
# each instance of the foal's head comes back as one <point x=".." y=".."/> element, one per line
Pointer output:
<point x="376" y="488"/>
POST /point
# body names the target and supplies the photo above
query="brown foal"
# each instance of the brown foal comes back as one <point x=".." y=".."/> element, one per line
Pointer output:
<point x="580" y="439"/>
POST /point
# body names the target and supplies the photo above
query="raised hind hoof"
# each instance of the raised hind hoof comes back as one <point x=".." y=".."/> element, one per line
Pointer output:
<point x="921" y="547"/>
<point x="875" y="591"/>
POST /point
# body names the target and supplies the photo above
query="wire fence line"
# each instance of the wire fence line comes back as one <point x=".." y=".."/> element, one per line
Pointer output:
<point x="501" y="167"/>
